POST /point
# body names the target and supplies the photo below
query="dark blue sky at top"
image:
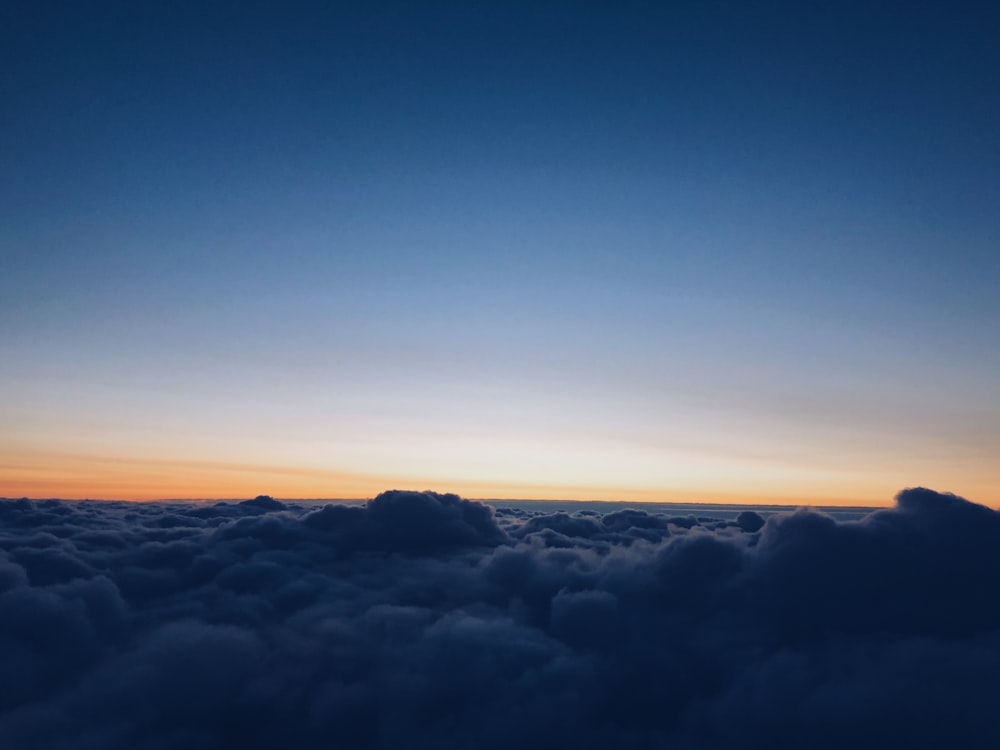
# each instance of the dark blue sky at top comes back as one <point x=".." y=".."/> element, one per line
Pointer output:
<point x="869" y="114"/>
<point x="730" y="185"/>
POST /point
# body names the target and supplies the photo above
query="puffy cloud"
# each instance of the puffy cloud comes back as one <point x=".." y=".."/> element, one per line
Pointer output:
<point x="422" y="619"/>
<point x="749" y="521"/>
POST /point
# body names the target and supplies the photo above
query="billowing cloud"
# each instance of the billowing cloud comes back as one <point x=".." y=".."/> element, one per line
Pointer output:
<point x="425" y="620"/>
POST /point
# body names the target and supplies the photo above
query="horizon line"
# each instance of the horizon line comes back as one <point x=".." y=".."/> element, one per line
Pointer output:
<point x="487" y="501"/>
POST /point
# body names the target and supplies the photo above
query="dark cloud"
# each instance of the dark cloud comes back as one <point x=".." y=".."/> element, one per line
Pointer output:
<point x="750" y="521"/>
<point x="425" y="620"/>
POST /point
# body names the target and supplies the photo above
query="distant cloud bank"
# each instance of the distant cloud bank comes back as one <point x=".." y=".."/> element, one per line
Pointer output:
<point x="426" y="620"/>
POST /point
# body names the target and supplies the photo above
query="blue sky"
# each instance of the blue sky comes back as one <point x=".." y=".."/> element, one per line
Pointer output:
<point x="668" y="251"/>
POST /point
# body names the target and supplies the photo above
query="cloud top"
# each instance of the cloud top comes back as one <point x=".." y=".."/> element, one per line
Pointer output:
<point x="424" y="620"/>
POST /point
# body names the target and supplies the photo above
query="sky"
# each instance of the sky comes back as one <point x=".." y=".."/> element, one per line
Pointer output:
<point x="706" y="251"/>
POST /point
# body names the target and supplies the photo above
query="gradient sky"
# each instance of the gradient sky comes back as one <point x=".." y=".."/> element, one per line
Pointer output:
<point x="723" y="251"/>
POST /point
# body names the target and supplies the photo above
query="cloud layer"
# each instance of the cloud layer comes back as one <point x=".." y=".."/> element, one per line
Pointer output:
<point x="425" y="620"/>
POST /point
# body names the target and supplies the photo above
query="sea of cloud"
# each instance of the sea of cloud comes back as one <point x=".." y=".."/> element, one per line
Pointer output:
<point x="421" y="620"/>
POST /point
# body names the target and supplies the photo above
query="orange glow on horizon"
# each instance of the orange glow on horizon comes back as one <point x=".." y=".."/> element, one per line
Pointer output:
<point x="44" y="474"/>
<point x="70" y="476"/>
